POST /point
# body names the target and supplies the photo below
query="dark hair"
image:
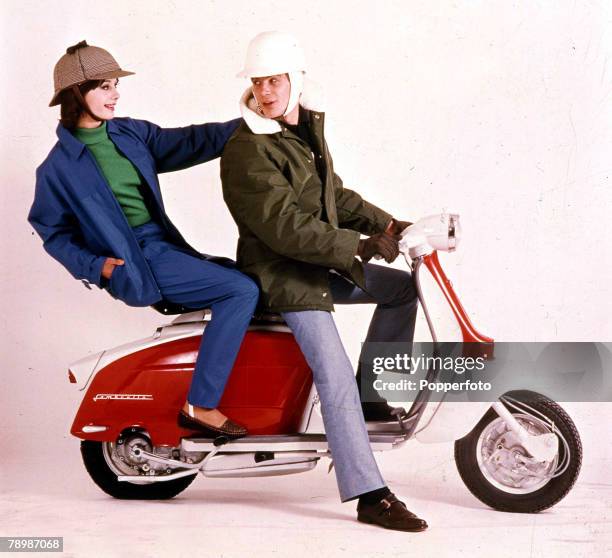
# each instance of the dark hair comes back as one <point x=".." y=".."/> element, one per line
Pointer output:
<point x="71" y="109"/>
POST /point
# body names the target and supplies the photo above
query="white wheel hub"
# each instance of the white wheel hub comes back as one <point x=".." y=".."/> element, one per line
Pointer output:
<point x="504" y="461"/>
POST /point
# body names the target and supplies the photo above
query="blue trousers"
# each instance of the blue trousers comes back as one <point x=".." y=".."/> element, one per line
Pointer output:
<point x="195" y="283"/>
<point x="315" y="331"/>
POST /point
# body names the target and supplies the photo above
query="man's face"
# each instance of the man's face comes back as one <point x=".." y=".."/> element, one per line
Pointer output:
<point x="272" y="94"/>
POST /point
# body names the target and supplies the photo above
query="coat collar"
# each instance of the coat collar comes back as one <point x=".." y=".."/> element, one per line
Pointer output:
<point x="311" y="99"/>
<point x="72" y="145"/>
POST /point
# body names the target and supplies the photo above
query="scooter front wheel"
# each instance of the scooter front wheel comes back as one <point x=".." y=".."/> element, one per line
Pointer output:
<point x="104" y="466"/>
<point x="500" y="472"/>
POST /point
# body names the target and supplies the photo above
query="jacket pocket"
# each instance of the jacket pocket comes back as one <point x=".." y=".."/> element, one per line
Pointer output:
<point x="115" y="282"/>
<point x="125" y="284"/>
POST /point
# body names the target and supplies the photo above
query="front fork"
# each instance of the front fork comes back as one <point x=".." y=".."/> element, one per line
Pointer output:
<point x="542" y="447"/>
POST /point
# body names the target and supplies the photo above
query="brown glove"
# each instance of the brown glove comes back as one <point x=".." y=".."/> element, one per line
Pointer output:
<point x="384" y="244"/>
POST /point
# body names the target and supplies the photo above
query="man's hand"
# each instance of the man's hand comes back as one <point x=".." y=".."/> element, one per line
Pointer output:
<point x="396" y="227"/>
<point x="384" y="244"/>
<point x="109" y="267"/>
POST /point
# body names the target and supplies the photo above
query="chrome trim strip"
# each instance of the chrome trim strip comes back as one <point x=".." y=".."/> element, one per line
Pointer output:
<point x="90" y="429"/>
<point x="312" y="442"/>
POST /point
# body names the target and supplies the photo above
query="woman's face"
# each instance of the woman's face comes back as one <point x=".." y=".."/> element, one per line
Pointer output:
<point x="272" y="94"/>
<point x="102" y="100"/>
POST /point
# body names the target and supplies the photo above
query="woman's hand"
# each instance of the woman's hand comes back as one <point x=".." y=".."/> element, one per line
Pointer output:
<point x="109" y="267"/>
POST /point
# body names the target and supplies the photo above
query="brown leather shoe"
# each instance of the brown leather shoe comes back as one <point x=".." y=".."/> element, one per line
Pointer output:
<point x="390" y="513"/>
<point x="228" y="428"/>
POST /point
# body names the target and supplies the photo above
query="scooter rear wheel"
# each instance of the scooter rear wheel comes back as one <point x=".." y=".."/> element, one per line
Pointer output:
<point x="105" y="477"/>
<point x="498" y="470"/>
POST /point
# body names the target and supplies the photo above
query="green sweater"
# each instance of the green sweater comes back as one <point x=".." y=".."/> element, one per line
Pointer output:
<point x="121" y="175"/>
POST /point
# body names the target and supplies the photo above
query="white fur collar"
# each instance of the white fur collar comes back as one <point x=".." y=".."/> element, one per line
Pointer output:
<point x="311" y="99"/>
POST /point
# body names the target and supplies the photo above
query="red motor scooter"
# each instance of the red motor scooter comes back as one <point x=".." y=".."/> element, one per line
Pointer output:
<point x="521" y="454"/>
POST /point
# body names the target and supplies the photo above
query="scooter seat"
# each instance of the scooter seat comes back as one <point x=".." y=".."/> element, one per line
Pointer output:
<point x="261" y="318"/>
<point x="170" y="309"/>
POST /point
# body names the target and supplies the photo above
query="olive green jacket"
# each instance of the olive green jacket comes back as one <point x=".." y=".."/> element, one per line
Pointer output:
<point x="293" y="226"/>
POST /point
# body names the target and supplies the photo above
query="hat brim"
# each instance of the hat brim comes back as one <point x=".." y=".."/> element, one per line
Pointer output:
<point x="104" y="75"/>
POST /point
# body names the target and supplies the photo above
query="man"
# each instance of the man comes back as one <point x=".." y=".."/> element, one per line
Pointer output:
<point x="299" y="235"/>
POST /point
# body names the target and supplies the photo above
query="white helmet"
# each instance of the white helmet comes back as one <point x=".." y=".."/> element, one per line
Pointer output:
<point x="276" y="52"/>
<point x="271" y="53"/>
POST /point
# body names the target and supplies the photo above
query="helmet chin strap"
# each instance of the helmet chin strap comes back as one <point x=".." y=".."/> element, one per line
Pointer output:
<point x="296" y="80"/>
<point x="81" y="101"/>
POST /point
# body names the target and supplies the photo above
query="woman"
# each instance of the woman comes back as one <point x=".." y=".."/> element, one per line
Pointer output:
<point x="99" y="210"/>
<point x="299" y="235"/>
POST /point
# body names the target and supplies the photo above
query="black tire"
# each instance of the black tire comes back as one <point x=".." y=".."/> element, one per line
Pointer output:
<point x="106" y="479"/>
<point x="542" y="498"/>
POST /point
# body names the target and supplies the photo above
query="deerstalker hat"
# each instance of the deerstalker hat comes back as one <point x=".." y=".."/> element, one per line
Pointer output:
<point x="82" y="63"/>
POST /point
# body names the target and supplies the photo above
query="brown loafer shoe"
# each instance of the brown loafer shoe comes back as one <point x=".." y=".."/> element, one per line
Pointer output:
<point x="230" y="429"/>
<point x="390" y="513"/>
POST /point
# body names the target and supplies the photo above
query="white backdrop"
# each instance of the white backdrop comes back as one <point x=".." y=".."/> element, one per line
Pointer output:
<point x="498" y="110"/>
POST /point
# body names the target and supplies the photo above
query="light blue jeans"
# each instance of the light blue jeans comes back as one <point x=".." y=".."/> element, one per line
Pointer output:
<point x="394" y="294"/>
<point x="317" y="336"/>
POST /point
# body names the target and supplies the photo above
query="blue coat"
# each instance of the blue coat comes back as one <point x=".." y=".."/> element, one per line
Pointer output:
<point x="81" y="222"/>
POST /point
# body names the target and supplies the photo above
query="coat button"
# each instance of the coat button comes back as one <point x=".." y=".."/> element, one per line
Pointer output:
<point x="308" y="161"/>
<point x="317" y="116"/>
<point x="324" y="294"/>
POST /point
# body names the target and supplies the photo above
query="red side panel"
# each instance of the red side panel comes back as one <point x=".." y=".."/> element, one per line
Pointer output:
<point x="267" y="390"/>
